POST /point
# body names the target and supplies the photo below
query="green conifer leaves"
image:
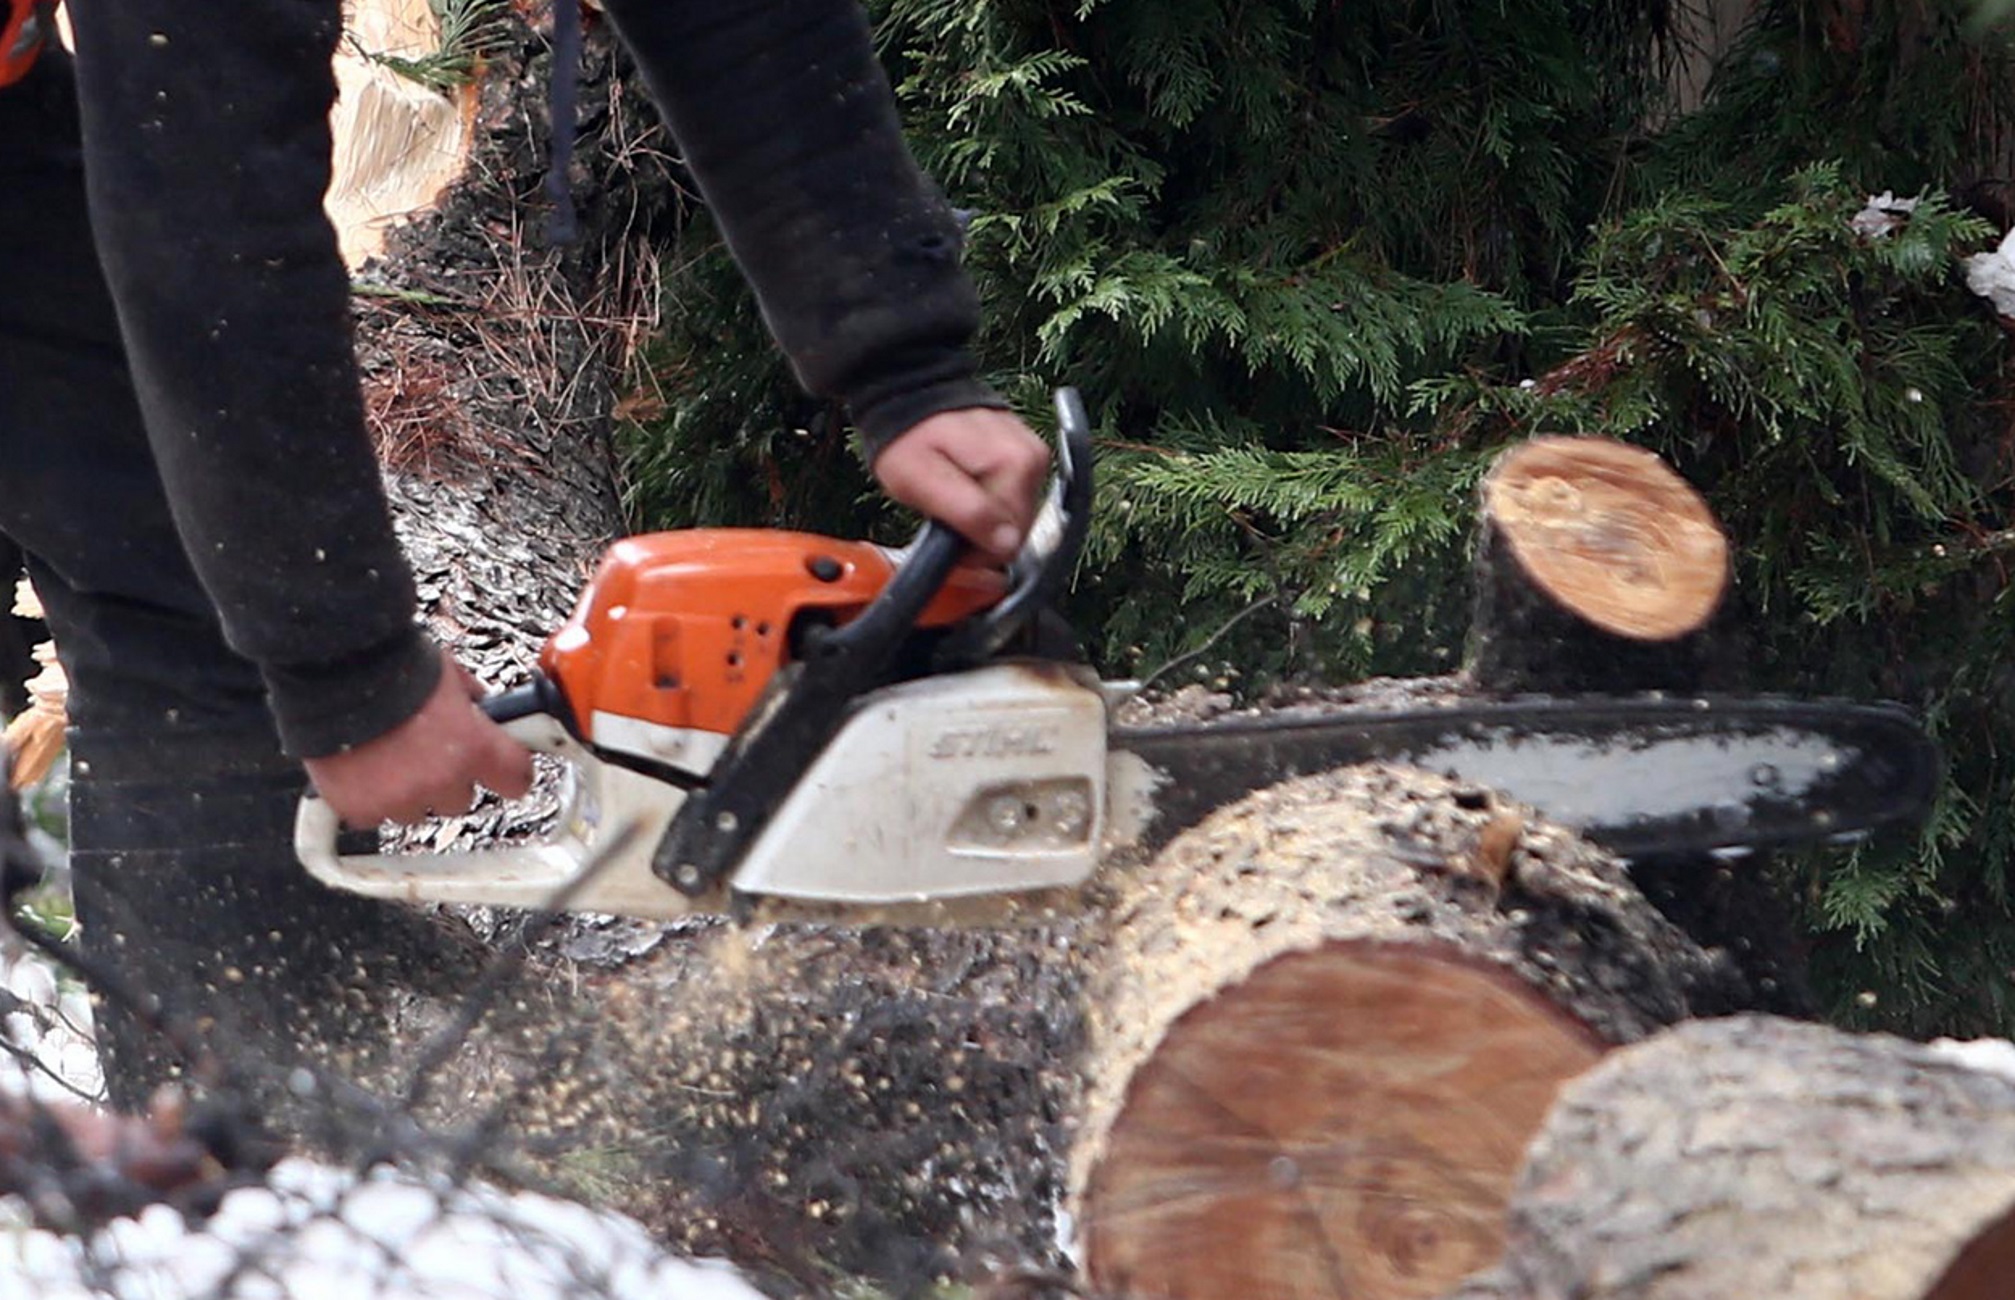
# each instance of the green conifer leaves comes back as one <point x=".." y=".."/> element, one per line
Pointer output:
<point x="1312" y="265"/>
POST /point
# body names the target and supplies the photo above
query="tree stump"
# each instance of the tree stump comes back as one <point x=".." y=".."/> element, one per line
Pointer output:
<point x="1597" y="568"/>
<point x="1754" y="1156"/>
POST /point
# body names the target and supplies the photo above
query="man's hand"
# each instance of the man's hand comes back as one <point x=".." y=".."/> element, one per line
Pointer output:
<point x="978" y="471"/>
<point x="429" y="764"/>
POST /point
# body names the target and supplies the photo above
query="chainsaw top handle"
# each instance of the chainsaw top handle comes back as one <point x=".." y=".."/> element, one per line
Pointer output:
<point x="1035" y="577"/>
<point x="804" y="706"/>
<point x="1038" y="574"/>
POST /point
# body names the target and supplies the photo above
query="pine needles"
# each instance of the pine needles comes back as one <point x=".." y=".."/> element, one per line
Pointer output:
<point x="468" y="29"/>
<point x="1312" y="265"/>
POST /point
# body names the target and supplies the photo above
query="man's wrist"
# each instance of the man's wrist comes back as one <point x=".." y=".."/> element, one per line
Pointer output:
<point x="887" y="413"/>
<point x="326" y="708"/>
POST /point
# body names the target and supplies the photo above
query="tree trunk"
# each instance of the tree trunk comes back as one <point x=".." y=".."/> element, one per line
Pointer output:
<point x="491" y="359"/>
<point x="1597" y="569"/>
<point x="1762" y="1157"/>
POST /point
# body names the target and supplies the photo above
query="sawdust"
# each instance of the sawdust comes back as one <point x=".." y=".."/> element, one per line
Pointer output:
<point x="1197" y="703"/>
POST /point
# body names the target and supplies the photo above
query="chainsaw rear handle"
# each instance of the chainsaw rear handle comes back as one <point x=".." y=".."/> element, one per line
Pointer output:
<point x="317" y="827"/>
<point x="529" y="714"/>
<point x="599" y="806"/>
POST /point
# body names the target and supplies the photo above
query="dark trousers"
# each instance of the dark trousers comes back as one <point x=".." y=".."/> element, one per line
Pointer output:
<point x="180" y="800"/>
<point x="79" y="493"/>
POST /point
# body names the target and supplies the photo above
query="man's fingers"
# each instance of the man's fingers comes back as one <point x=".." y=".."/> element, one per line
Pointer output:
<point x="938" y="486"/>
<point x="978" y="471"/>
<point x="1007" y="460"/>
<point x="428" y="765"/>
<point x="508" y="769"/>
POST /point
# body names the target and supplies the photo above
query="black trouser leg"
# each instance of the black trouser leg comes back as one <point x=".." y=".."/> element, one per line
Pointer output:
<point x="186" y="886"/>
<point x="79" y="493"/>
<point x="181" y="803"/>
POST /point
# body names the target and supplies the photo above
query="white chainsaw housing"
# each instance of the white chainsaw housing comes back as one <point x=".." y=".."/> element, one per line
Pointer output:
<point x="985" y="781"/>
<point x="967" y="783"/>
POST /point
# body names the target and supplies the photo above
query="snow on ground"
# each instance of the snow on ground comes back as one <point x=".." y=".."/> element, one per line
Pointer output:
<point x="1993" y="1055"/>
<point x="319" y="1234"/>
<point x="313" y="1232"/>
<point x="47" y="1022"/>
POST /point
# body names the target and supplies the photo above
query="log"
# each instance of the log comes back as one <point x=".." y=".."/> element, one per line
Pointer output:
<point x="1596" y="569"/>
<point x="1325" y="1022"/>
<point x="1756" y="1156"/>
<point x="1303" y="1047"/>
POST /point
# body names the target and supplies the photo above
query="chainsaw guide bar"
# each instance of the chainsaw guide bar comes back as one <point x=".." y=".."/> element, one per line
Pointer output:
<point x="1641" y="775"/>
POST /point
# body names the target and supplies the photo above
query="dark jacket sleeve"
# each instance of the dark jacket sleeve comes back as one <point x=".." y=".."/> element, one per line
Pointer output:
<point x="787" y="123"/>
<point x="207" y="154"/>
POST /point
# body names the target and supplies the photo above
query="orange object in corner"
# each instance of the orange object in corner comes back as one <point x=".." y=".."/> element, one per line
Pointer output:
<point x="28" y="25"/>
<point x="685" y="629"/>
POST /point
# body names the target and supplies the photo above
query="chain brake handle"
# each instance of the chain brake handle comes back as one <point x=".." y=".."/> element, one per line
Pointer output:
<point x="806" y="703"/>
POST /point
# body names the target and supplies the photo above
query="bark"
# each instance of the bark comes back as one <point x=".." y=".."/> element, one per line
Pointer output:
<point x="1761" y="1157"/>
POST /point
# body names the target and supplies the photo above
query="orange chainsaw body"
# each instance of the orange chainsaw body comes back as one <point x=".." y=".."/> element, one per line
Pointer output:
<point x="685" y="629"/>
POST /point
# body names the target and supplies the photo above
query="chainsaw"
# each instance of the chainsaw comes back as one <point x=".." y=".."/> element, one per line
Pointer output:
<point x="746" y="714"/>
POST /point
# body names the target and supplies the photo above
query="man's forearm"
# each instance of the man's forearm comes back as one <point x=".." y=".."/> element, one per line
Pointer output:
<point x="207" y="153"/>
<point x="787" y="123"/>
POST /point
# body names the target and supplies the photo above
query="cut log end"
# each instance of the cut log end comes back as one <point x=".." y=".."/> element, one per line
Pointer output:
<point x="1348" y="1119"/>
<point x="1611" y="534"/>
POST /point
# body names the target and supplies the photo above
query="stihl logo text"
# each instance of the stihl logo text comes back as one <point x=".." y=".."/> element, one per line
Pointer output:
<point x="995" y="742"/>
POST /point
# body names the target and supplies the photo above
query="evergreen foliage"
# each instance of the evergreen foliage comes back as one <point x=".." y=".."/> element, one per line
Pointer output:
<point x="469" y="30"/>
<point x="1313" y="265"/>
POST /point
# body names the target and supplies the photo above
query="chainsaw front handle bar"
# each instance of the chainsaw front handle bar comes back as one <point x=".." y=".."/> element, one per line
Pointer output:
<point x="1039" y="572"/>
